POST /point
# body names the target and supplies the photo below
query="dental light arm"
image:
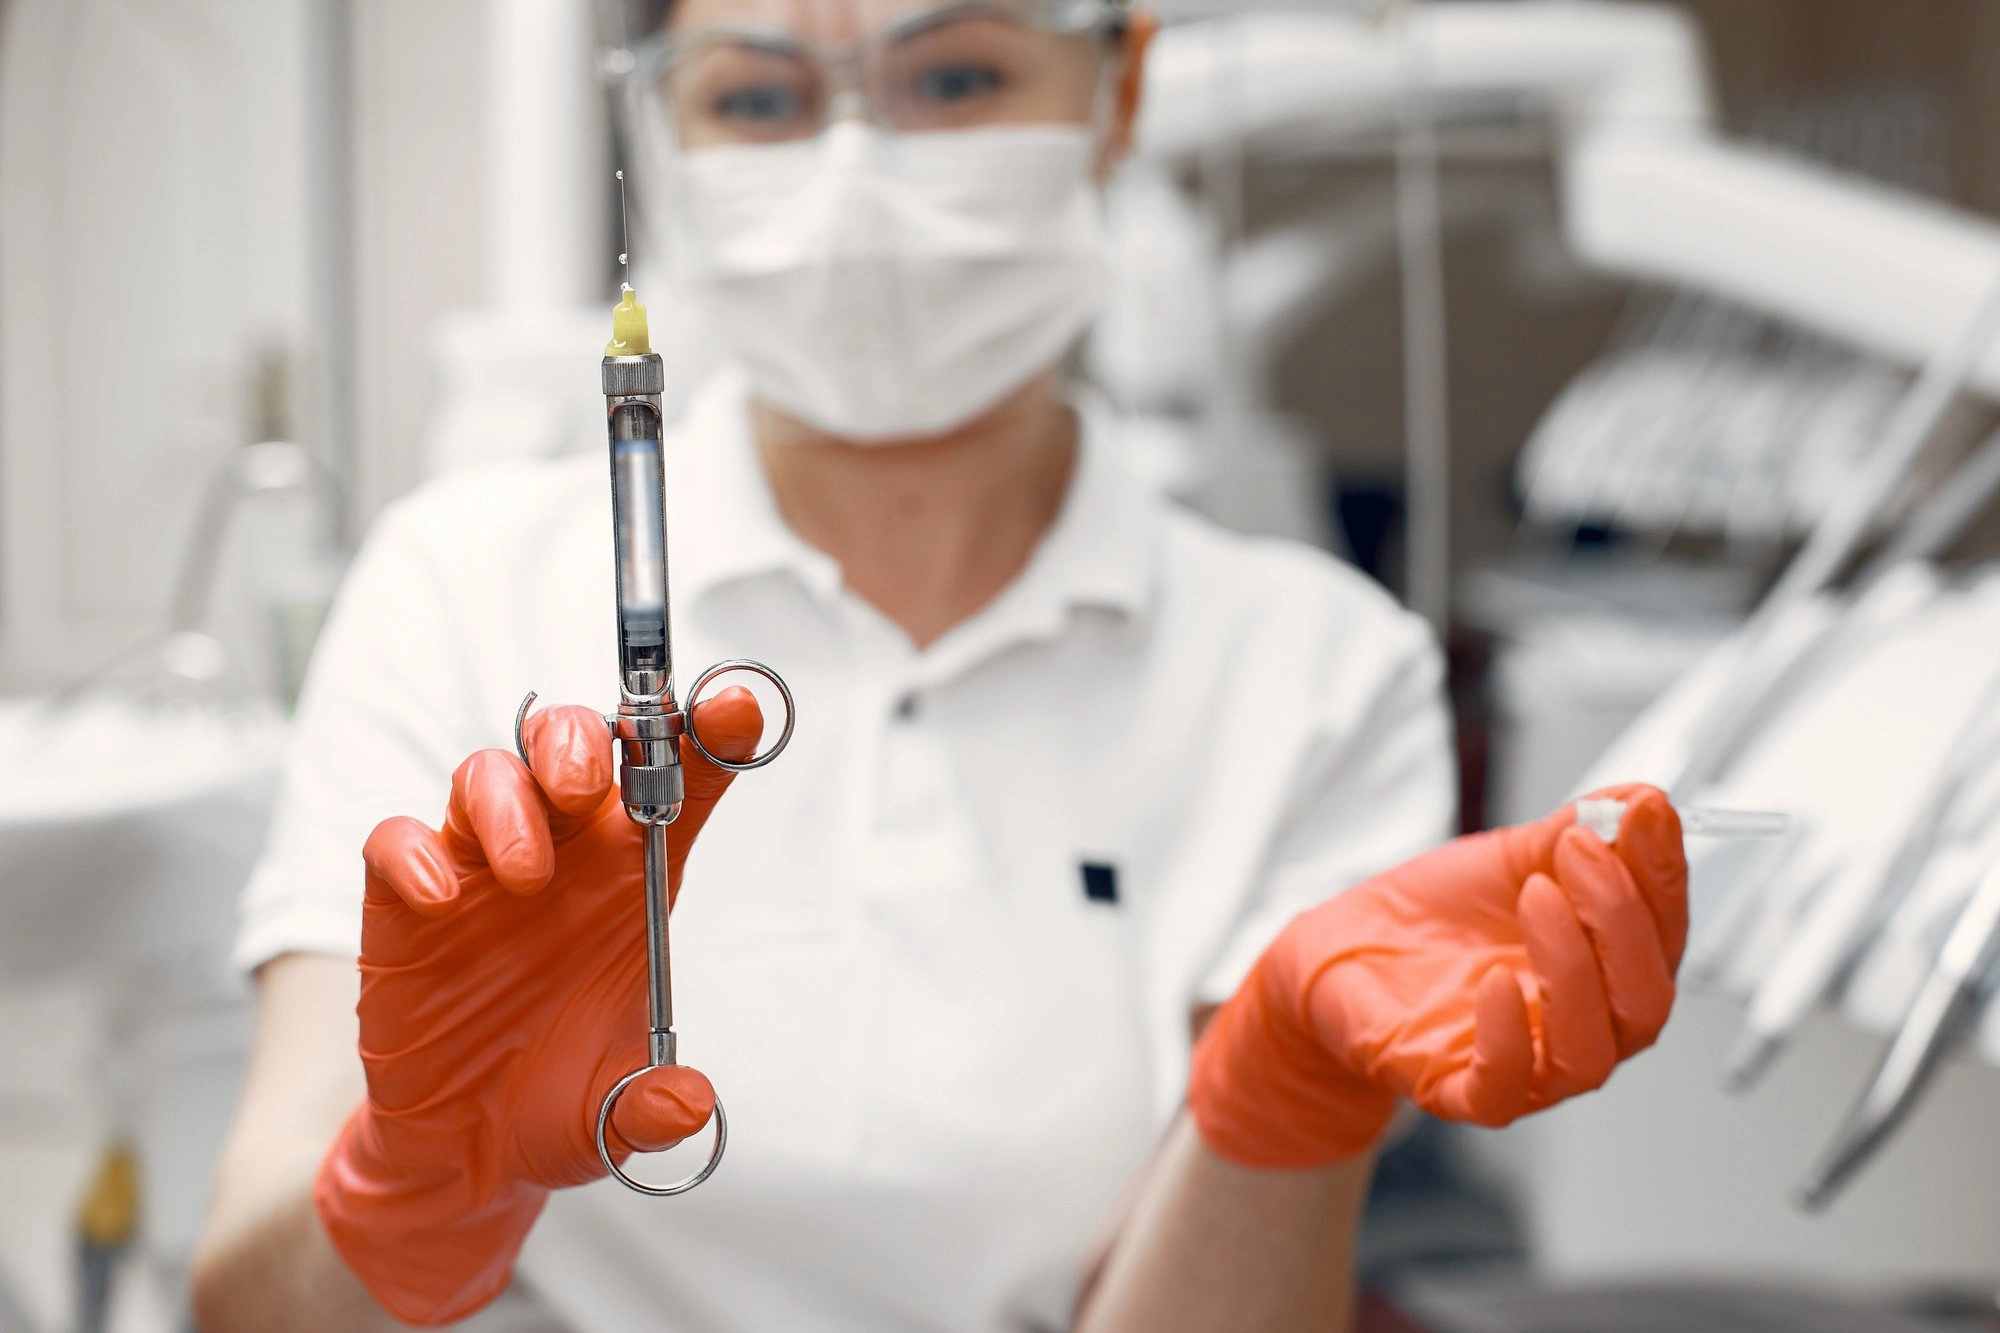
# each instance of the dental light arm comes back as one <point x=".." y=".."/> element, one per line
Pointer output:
<point x="1266" y="75"/>
<point x="1893" y="274"/>
<point x="1648" y="188"/>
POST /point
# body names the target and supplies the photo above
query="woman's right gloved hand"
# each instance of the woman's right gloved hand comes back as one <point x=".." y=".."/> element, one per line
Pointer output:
<point x="503" y="993"/>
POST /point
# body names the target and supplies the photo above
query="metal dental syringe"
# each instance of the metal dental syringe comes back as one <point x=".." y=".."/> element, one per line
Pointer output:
<point x="648" y="727"/>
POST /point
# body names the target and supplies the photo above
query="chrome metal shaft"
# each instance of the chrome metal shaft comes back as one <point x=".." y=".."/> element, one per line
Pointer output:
<point x="659" y="964"/>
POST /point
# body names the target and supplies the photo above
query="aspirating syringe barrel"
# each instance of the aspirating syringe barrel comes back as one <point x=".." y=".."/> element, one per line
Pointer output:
<point x="649" y="722"/>
<point x="632" y="386"/>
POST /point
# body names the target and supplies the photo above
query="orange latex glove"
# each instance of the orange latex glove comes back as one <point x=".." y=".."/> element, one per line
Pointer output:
<point x="1492" y="977"/>
<point x="503" y="992"/>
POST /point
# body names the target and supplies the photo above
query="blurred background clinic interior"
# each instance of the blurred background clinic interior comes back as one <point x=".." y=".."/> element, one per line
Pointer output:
<point x="1650" y="351"/>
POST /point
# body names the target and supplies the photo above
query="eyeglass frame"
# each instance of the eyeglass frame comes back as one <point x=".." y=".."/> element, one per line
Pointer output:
<point x="644" y="63"/>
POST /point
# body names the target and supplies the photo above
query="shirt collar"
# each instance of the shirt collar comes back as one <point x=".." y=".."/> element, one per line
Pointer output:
<point x="732" y="529"/>
<point x="1098" y="553"/>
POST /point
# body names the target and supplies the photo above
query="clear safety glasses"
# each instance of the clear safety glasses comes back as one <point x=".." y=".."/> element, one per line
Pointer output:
<point x="957" y="66"/>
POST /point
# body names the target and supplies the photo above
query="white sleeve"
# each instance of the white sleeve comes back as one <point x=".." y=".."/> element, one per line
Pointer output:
<point x="1375" y="787"/>
<point x="376" y="734"/>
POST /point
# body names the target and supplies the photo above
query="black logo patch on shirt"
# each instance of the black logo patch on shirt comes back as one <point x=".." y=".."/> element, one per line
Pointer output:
<point x="1100" y="882"/>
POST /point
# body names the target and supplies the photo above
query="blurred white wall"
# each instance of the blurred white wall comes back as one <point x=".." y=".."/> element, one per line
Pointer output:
<point x="158" y="242"/>
<point x="482" y="186"/>
<point x="419" y="213"/>
<point x="152" y="249"/>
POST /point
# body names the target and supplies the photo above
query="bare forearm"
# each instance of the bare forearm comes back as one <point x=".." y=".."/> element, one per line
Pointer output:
<point x="276" y="1268"/>
<point x="264" y="1261"/>
<point x="1212" y="1246"/>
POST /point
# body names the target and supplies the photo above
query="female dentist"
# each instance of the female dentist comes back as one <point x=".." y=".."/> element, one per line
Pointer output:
<point x="1073" y="768"/>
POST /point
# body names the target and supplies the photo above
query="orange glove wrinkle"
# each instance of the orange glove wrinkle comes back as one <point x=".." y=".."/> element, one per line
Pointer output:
<point x="503" y="984"/>
<point x="1492" y="977"/>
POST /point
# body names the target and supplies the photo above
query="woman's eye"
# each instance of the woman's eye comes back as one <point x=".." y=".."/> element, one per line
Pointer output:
<point x="956" y="83"/>
<point x="765" y="102"/>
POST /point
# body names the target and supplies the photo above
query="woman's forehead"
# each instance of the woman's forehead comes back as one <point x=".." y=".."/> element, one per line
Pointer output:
<point x="819" y="21"/>
<point x="826" y="21"/>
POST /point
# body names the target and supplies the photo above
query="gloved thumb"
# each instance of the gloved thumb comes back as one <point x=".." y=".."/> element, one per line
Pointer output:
<point x="729" y="725"/>
<point x="660" y="1108"/>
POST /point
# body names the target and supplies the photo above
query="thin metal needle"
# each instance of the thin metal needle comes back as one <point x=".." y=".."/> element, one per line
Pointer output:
<point x="624" y="232"/>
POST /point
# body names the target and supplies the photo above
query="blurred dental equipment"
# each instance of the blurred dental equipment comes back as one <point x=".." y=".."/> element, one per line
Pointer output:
<point x="106" y="1223"/>
<point x="1647" y="189"/>
<point x="1854" y="900"/>
<point x="1799" y="634"/>
<point x="1946" y="1005"/>
<point x="649" y="724"/>
<point x="1792" y="636"/>
<point x="1888" y="752"/>
<point x="1766" y="661"/>
<point x="1708" y="416"/>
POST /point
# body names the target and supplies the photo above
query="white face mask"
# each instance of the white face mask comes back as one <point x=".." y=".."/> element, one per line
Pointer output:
<point x="883" y="286"/>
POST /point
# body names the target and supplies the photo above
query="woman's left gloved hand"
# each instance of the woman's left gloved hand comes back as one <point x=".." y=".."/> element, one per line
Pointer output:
<point x="1492" y="977"/>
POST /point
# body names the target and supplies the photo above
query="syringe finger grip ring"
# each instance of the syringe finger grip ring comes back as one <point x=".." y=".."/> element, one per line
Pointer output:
<point x="776" y="748"/>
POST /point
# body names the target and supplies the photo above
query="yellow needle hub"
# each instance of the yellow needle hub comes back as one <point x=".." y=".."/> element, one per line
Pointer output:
<point x="629" y="335"/>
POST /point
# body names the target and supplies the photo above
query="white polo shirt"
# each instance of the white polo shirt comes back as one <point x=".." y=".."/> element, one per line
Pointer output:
<point x="939" y="958"/>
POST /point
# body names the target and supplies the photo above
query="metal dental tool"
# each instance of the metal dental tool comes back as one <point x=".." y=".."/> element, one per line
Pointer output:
<point x="1846" y="913"/>
<point x="1945" y="1009"/>
<point x="649" y="723"/>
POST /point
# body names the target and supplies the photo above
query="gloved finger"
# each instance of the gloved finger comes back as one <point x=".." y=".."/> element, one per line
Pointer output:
<point x="1651" y="846"/>
<point x="731" y="724"/>
<point x="1527" y="849"/>
<point x="1493" y="1089"/>
<point x="1638" y="984"/>
<point x="1579" y="1047"/>
<point x="660" y="1109"/>
<point x="569" y="749"/>
<point x="496" y="816"/>
<point x="405" y="862"/>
